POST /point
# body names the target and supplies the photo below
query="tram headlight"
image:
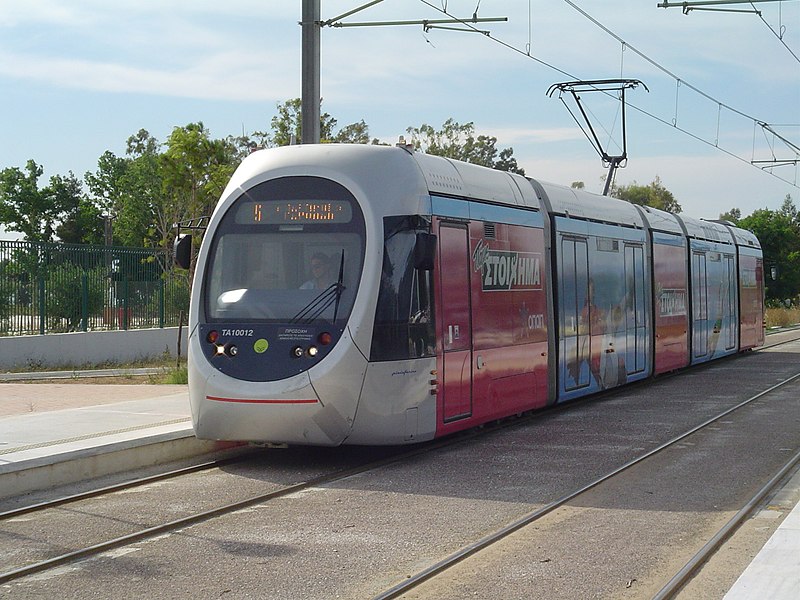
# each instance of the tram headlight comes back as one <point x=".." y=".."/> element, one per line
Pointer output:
<point x="312" y="351"/>
<point x="232" y="350"/>
<point x="297" y="351"/>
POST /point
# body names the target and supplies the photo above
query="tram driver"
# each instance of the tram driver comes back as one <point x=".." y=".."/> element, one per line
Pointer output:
<point x="320" y="270"/>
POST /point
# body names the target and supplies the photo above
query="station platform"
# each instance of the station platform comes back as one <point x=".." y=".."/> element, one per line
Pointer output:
<point x="53" y="434"/>
<point x="775" y="571"/>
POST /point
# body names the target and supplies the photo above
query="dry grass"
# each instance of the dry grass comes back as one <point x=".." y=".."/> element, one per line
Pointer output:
<point x="169" y="371"/>
<point x="782" y="317"/>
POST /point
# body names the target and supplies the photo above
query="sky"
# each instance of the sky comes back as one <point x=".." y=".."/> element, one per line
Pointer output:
<point x="78" y="78"/>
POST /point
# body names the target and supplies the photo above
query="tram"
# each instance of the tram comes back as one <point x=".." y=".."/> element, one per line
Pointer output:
<point x="354" y="294"/>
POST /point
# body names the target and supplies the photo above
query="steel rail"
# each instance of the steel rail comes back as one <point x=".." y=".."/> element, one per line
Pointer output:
<point x="693" y="566"/>
<point x="492" y="538"/>
<point x="110" y="489"/>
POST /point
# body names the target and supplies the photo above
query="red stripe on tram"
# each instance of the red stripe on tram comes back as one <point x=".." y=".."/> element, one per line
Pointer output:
<point x="260" y="401"/>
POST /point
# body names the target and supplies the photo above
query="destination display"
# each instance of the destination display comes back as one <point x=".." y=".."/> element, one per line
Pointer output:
<point x="279" y="212"/>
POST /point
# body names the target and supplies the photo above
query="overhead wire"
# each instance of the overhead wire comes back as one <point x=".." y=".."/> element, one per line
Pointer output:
<point x="657" y="65"/>
<point x="679" y="82"/>
<point x="775" y="33"/>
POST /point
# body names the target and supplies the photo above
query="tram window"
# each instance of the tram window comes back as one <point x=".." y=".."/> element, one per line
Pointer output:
<point x="730" y="308"/>
<point x="404" y="325"/>
<point x="269" y="276"/>
<point x="699" y="304"/>
<point x="262" y="267"/>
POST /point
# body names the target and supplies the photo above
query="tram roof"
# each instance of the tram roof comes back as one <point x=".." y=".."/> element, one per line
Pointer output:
<point x="661" y="220"/>
<point x="745" y="238"/>
<point x="572" y="203"/>
<point x="707" y="230"/>
<point x="399" y="176"/>
<point x="458" y="178"/>
<point x="438" y="175"/>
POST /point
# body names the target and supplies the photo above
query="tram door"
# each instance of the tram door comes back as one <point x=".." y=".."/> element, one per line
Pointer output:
<point x="699" y="305"/>
<point x="454" y="283"/>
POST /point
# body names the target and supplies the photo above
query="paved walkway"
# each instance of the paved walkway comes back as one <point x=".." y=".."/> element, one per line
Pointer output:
<point x="774" y="574"/>
<point x="33" y="398"/>
<point x="59" y="433"/>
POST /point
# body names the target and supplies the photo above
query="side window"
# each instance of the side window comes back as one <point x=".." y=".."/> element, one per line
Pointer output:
<point x="635" y="308"/>
<point x="576" y="305"/>
<point x="404" y="326"/>
<point x="700" y="286"/>
<point x="730" y="309"/>
<point x="699" y="304"/>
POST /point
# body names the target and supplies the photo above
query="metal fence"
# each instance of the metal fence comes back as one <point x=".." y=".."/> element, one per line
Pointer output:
<point x="56" y="288"/>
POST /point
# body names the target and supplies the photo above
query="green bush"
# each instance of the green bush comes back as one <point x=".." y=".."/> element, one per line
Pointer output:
<point x="176" y="297"/>
<point x="66" y="286"/>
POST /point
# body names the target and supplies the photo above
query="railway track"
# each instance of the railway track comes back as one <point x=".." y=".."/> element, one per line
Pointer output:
<point x="290" y="479"/>
<point x="679" y="580"/>
<point x="75" y="505"/>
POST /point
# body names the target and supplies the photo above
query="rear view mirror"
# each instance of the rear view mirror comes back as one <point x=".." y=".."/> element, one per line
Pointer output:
<point x="183" y="251"/>
<point x="425" y="252"/>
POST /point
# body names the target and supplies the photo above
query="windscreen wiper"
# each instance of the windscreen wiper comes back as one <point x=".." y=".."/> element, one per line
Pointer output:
<point x="339" y="288"/>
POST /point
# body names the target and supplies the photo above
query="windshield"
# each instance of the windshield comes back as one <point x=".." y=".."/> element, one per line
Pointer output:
<point x="289" y="250"/>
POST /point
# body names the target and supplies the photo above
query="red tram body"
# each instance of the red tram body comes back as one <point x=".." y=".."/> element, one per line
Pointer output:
<point x="463" y="295"/>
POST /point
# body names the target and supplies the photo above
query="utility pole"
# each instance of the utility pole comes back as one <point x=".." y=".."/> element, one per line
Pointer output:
<point x="312" y="24"/>
<point x="310" y="100"/>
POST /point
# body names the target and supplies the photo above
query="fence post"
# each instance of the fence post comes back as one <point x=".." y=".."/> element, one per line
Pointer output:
<point x="125" y="292"/>
<point x="42" y="304"/>
<point x="84" y="301"/>
<point x="161" y="285"/>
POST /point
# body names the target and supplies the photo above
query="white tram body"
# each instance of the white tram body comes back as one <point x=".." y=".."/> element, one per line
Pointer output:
<point x="442" y="304"/>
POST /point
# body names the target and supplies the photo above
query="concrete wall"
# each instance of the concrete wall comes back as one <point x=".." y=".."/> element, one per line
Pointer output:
<point x="88" y="349"/>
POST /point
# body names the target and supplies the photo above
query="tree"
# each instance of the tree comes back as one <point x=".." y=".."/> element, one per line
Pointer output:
<point x="458" y="142"/>
<point x="142" y="182"/>
<point x="68" y="287"/>
<point x="105" y="184"/>
<point x="733" y="215"/>
<point x="32" y="211"/>
<point x="788" y="209"/>
<point x="355" y="133"/>
<point x="195" y="170"/>
<point x="654" y="195"/>
<point x="126" y="190"/>
<point x="83" y="224"/>
<point x="779" y="234"/>
<point x="286" y="124"/>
